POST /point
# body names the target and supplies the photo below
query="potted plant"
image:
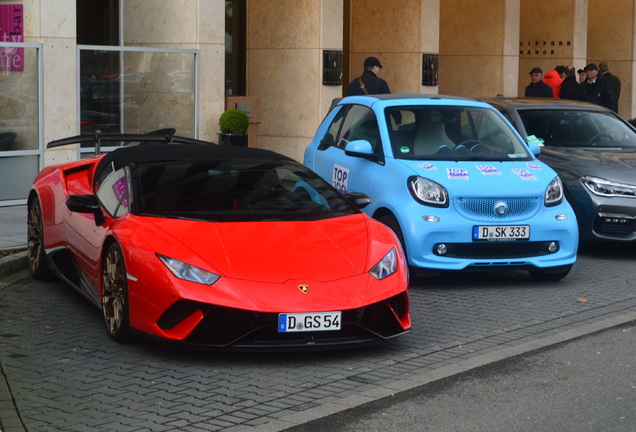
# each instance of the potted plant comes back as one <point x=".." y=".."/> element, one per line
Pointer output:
<point x="233" y="124"/>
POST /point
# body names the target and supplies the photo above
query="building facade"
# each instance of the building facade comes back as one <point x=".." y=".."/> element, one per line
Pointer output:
<point x="84" y="66"/>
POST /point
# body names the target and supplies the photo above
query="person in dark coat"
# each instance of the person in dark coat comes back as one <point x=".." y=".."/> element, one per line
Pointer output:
<point x="599" y="91"/>
<point x="537" y="88"/>
<point x="369" y="82"/>
<point x="570" y="87"/>
<point x="614" y="81"/>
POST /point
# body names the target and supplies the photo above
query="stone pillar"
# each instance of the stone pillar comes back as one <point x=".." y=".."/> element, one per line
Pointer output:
<point x="285" y="40"/>
<point x="52" y="23"/>
<point x="478" y="47"/>
<point x="610" y="37"/>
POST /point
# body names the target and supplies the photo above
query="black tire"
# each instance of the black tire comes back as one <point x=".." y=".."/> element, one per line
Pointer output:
<point x="115" y="306"/>
<point x="550" y="274"/>
<point x="38" y="262"/>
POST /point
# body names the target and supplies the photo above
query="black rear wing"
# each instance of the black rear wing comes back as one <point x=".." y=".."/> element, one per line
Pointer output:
<point x="166" y="136"/>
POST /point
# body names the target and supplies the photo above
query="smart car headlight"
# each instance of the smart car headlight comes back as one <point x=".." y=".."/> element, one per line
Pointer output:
<point x="386" y="266"/>
<point x="554" y="193"/>
<point x="188" y="272"/>
<point x="427" y="192"/>
<point x="603" y="187"/>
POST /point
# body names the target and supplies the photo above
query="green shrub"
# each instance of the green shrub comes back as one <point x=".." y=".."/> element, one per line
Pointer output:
<point x="234" y="121"/>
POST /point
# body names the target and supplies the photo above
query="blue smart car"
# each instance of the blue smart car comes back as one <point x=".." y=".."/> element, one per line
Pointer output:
<point x="456" y="183"/>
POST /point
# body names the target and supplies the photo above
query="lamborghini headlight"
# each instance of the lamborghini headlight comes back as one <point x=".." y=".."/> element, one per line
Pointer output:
<point x="427" y="192"/>
<point x="603" y="187"/>
<point x="386" y="266"/>
<point x="554" y="193"/>
<point x="188" y="272"/>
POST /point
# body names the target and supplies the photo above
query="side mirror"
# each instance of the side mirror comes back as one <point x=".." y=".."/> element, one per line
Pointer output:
<point x="359" y="148"/>
<point x="86" y="204"/>
<point x="359" y="199"/>
<point x="534" y="147"/>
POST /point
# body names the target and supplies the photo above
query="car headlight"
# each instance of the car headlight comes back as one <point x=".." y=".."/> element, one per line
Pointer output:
<point x="188" y="272"/>
<point x="386" y="266"/>
<point x="427" y="192"/>
<point x="602" y="187"/>
<point x="554" y="193"/>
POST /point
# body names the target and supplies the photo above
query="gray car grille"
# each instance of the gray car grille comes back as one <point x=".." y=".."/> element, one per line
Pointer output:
<point x="484" y="209"/>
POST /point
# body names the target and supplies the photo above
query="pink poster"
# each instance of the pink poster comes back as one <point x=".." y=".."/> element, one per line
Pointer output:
<point x="11" y="30"/>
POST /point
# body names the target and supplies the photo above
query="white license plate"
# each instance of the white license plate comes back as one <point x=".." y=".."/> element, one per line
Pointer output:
<point x="312" y="321"/>
<point x="501" y="232"/>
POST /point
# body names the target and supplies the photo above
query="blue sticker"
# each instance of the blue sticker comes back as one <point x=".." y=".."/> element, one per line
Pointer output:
<point x="457" y="173"/>
<point x="488" y="169"/>
<point x="524" y="173"/>
<point x="427" y="166"/>
<point x="534" y="166"/>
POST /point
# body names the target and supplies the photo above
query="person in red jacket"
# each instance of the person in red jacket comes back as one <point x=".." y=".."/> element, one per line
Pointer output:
<point x="553" y="79"/>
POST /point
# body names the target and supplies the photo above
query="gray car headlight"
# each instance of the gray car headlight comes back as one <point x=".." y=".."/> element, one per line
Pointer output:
<point x="188" y="272"/>
<point x="386" y="266"/>
<point x="554" y="193"/>
<point x="427" y="192"/>
<point x="603" y="187"/>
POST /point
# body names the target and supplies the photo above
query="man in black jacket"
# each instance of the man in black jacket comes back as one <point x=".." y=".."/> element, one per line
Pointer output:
<point x="537" y="88"/>
<point x="599" y="90"/>
<point x="570" y="87"/>
<point x="369" y="82"/>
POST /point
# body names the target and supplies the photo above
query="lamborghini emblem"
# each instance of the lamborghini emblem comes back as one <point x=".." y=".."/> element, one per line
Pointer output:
<point x="303" y="288"/>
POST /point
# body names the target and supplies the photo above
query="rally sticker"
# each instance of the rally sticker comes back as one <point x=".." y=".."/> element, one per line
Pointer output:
<point x="427" y="166"/>
<point x="534" y="166"/>
<point x="524" y="173"/>
<point x="341" y="178"/>
<point x="457" y="173"/>
<point x="488" y="169"/>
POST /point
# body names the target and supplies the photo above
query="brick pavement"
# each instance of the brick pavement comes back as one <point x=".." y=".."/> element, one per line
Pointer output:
<point x="64" y="373"/>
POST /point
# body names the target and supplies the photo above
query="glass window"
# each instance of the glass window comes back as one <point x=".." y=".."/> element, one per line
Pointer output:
<point x="453" y="133"/>
<point x="98" y="22"/>
<point x="359" y="123"/>
<point x="235" y="47"/>
<point x="112" y="187"/>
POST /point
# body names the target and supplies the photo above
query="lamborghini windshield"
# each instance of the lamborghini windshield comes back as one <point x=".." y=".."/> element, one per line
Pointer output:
<point x="452" y="133"/>
<point x="227" y="190"/>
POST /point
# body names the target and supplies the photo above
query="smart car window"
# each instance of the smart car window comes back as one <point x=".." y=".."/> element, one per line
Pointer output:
<point x="233" y="191"/>
<point x="455" y="133"/>
<point x="113" y="186"/>
<point x="570" y="128"/>
<point x="360" y="123"/>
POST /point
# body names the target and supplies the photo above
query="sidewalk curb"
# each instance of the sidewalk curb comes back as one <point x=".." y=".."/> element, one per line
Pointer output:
<point x="15" y="262"/>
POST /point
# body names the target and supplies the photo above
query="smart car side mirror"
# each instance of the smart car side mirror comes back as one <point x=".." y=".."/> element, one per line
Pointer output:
<point x="359" y="148"/>
<point x="535" y="148"/>
<point x="86" y="204"/>
<point x="359" y="199"/>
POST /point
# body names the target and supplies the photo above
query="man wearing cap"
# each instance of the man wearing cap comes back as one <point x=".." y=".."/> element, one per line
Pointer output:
<point x="599" y="91"/>
<point x="369" y="82"/>
<point x="537" y="88"/>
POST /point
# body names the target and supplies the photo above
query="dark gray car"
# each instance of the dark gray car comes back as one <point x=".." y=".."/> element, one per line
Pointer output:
<point x="594" y="152"/>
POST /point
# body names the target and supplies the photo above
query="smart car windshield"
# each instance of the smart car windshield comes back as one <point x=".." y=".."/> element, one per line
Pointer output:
<point x="226" y="190"/>
<point x="577" y="128"/>
<point x="452" y="133"/>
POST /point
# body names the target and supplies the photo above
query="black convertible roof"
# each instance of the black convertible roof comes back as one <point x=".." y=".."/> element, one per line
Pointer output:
<point x="153" y="147"/>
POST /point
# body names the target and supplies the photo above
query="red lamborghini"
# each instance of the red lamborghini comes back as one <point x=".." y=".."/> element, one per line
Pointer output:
<point x="216" y="247"/>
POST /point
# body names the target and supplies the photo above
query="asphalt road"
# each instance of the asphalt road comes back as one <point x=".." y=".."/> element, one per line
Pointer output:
<point x="588" y="384"/>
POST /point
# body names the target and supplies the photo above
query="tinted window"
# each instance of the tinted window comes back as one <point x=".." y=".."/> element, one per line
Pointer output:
<point x="561" y="128"/>
<point x="359" y="123"/>
<point x="237" y="191"/>
<point x="453" y="133"/>
<point x="113" y="185"/>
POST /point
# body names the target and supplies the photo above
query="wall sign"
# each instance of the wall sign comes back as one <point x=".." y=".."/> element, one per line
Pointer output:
<point x="430" y="69"/>
<point x="11" y="30"/>
<point x="543" y="47"/>
<point x="331" y="67"/>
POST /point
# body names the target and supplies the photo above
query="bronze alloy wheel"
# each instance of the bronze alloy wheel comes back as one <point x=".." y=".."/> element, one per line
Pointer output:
<point x="115" y="294"/>
<point x="35" y="241"/>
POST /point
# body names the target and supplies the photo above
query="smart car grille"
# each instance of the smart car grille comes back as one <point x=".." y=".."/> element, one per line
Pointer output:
<point x="486" y="208"/>
<point x="496" y="250"/>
